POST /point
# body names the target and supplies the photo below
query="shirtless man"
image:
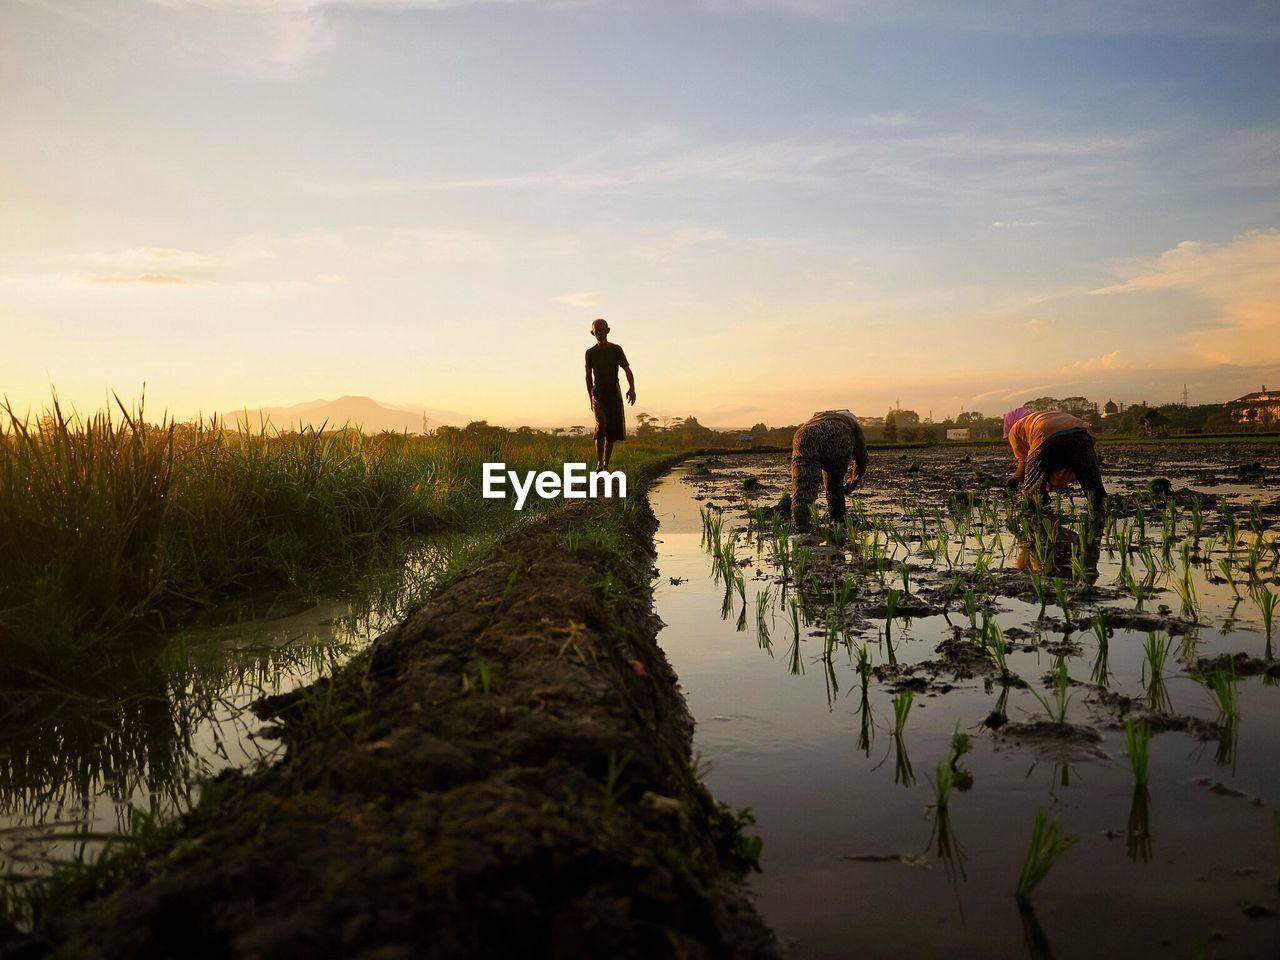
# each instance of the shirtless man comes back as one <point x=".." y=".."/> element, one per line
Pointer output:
<point x="827" y="448"/>
<point x="603" y="362"/>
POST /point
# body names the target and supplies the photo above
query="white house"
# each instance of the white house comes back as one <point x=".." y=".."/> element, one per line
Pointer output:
<point x="958" y="433"/>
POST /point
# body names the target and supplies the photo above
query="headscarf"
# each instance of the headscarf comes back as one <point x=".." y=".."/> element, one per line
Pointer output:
<point x="1012" y="417"/>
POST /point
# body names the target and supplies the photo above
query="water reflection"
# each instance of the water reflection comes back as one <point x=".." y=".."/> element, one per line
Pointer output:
<point x="1138" y="833"/>
<point x="80" y="763"/>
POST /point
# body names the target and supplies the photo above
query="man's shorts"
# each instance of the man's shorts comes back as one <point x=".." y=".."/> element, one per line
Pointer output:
<point x="611" y="423"/>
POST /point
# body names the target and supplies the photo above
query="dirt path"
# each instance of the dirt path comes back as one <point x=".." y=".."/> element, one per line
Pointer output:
<point x="507" y="773"/>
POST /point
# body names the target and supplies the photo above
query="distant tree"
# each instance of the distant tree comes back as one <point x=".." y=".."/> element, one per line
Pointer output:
<point x="891" y="427"/>
<point x="577" y="431"/>
<point x="970" y="419"/>
<point x="907" y="418"/>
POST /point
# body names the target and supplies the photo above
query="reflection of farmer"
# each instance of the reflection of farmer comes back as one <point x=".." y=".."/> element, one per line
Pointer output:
<point x="603" y="361"/>
<point x="821" y="451"/>
<point x="1053" y="451"/>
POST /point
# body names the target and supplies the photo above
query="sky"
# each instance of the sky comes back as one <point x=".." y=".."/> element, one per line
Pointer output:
<point x="779" y="205"/>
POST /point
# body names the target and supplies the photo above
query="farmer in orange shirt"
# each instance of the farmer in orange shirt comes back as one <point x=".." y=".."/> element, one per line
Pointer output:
<point x="1053" y="450"/>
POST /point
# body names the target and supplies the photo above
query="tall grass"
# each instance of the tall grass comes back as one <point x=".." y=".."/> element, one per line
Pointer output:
<point x="109" y="522"/>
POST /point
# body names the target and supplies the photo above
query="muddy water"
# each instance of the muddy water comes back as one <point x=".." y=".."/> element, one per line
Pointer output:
<point x="97" y="762"/>
<point x="857" y="858"/>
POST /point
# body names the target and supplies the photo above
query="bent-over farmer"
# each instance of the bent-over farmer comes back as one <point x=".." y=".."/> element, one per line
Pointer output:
<point x="603" y="362"/>
<point x="1053" y="450"/>
<point x="827" y="450"/>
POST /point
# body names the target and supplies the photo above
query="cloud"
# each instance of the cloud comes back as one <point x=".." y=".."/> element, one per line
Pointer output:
<point x="1108" y="361"/>
<point x="146" y="279"/>
<point x="1240" y="279"/>
<point x="580" y="299"/>
<point x="151" y="257"/>
<point x="1242" y="20"/>
<point x="276" y="39"/>
<point x="1004" y="224"/>
<point x="972" y="166"/>
<point x="1037" y="325"/>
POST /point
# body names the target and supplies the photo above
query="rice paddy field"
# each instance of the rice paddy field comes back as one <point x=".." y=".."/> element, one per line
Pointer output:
<point x="968" y="730"/>
<point x="158" y="580"/>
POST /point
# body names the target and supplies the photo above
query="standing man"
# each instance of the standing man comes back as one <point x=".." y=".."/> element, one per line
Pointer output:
<point x="1053" y="450"/>
<point x="603" y="361"/>
<point x="825" y="448"/>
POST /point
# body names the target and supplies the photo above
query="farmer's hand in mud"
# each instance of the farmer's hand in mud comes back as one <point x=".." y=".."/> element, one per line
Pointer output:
<point x="631" y="396"/>
<point x="853" y="483"/>
<point x="1012" y="482"/>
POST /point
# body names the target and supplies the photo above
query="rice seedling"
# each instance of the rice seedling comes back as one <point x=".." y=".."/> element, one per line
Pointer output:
<point x="1102" y="633"/>
<point x="961" y="743"/>
<point x="1231" y="527"/>
<point x="943" y="780"/>
<point x="993" y="640"/>
<point x="830" y="640"/>
<point x="1136" y="587"/>
<point x="971" y="607"/>
<point x="764" y="602"/>
<point x="1079" y="565"/>
<point x="1253" y="562"/>
<point x="1222" y="685"/>
<point x="1266" y="601"/>
<point x="1046" y="848"/>
<point x="1056" y="708"/>
<point x="905" y="570"/>
<point x="1064" y="602"/>
<point x="901" y="710"/>
<point x="1225" y="567"/>
<point x="1185" y="587"/>
<point x="890" y="609"/>
<point x="803" y="558"/>
<point x="1137" y="738"/>
<point x="1156" y="649"/>
<point x="842" y="593"/>
<point x="863" y="666"/>
<point x="1037" y="587"/>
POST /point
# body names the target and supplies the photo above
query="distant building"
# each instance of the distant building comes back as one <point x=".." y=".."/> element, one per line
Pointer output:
<point x="1109" y="409"/>
<point x="958" y="433"/>
<point x="1260" y="407"/>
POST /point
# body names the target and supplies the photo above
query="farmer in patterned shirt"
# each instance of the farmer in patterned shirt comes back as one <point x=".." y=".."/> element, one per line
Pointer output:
<point x="827" y="450"/>
<point x="1053" y="450"/>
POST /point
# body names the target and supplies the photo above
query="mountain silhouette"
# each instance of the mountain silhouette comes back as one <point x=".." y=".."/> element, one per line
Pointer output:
<point x="363" y="412"/>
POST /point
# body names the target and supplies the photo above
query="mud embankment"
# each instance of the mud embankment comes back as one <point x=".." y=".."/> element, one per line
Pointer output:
<point x="507" y="773"/>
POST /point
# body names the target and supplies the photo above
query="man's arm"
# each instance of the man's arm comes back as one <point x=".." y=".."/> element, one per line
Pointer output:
<point x="1020" y="451"/>
<point x="589" y="383"/>
<point x="631" y="382"/>
<point x="858" y="468"/>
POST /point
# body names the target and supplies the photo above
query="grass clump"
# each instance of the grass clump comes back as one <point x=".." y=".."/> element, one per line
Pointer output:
<point x="1137" y="736"/>
<point x="1047" y="846"/>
